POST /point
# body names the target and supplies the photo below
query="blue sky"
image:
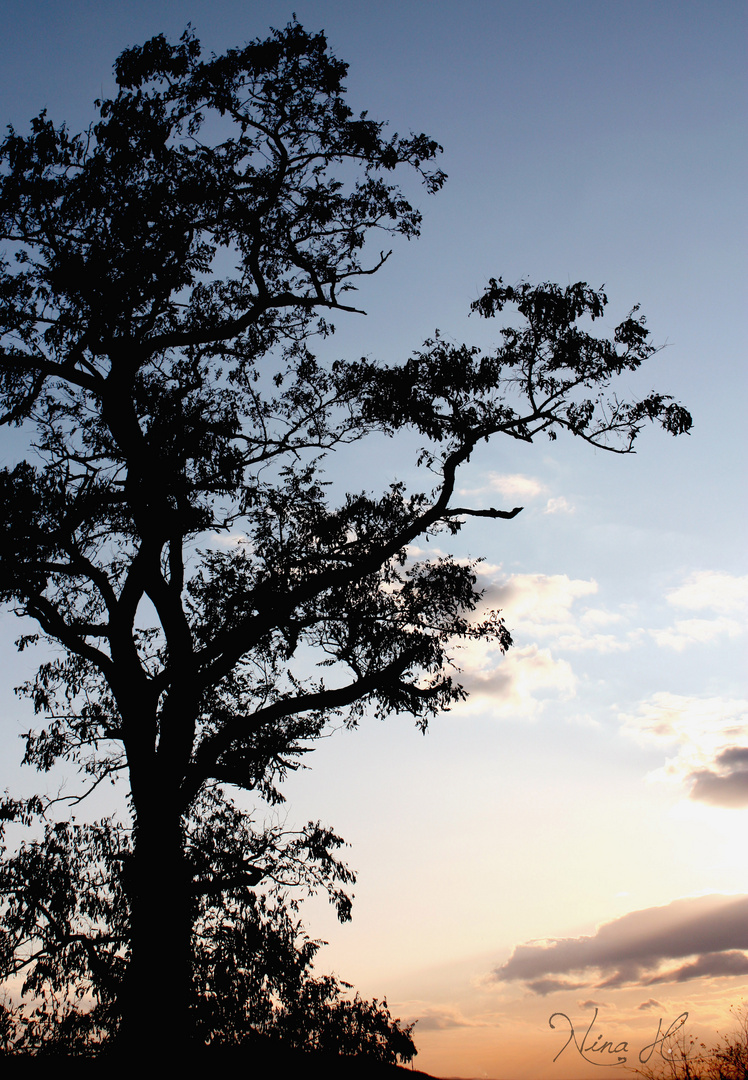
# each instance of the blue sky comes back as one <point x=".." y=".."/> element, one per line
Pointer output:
<point x="583" y="141"/>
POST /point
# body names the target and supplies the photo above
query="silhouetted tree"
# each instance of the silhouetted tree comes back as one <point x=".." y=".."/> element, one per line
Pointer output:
<point x="165" y="274"/>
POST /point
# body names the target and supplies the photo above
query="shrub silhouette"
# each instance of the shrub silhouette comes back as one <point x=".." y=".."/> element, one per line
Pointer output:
<point x="66" y="933"/>
<point x="683" y="1057"/>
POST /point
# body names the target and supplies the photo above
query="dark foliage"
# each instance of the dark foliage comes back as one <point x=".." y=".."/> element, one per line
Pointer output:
<point x="66" y="934"/>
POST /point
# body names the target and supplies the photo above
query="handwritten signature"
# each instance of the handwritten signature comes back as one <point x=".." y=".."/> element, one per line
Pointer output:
<point x="620" y="1051"/>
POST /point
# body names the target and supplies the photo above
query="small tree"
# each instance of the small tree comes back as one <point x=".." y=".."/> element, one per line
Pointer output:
<point x="165" y="274"/>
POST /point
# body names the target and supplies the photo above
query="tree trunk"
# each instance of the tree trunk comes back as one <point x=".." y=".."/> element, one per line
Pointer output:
<point x="156" y="994"/>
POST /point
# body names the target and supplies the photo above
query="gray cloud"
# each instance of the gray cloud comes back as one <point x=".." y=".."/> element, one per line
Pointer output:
<point x="651" y="1003"/>
<point x="442" y="1019"/>
<point x="437" y="1023"/>
<point x="734" y="755"/>
<point x="708" y="965"/>
<point x="729" y="786"/>
<point x="542" y="987"/>
<point x="707" y="931"/>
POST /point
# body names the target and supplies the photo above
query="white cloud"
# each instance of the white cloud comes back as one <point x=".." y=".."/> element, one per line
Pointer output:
<point x="545" y="607"/>
<point x="539" y="603"/>
<point x="509" y="484"/>
<point x="515" y="685"/>
<point x="558" y="505"/>
<point x="487" y="569"/>
<point x="719" y="596"/>
<point x="707" y="722"/>
<point x="540" y="611"/>
<point x="687" y="632"/>
<point x="713" y="589"/>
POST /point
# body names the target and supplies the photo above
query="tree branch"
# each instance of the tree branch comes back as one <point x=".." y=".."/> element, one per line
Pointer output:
<point x="464" y="511"/>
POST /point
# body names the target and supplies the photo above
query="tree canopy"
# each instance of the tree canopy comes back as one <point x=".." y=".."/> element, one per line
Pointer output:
<point x="166" y="275"/>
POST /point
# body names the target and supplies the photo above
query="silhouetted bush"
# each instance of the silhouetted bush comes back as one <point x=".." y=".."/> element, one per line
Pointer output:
<point x="64" y="945"/>
<point x="684" y="1057"/>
